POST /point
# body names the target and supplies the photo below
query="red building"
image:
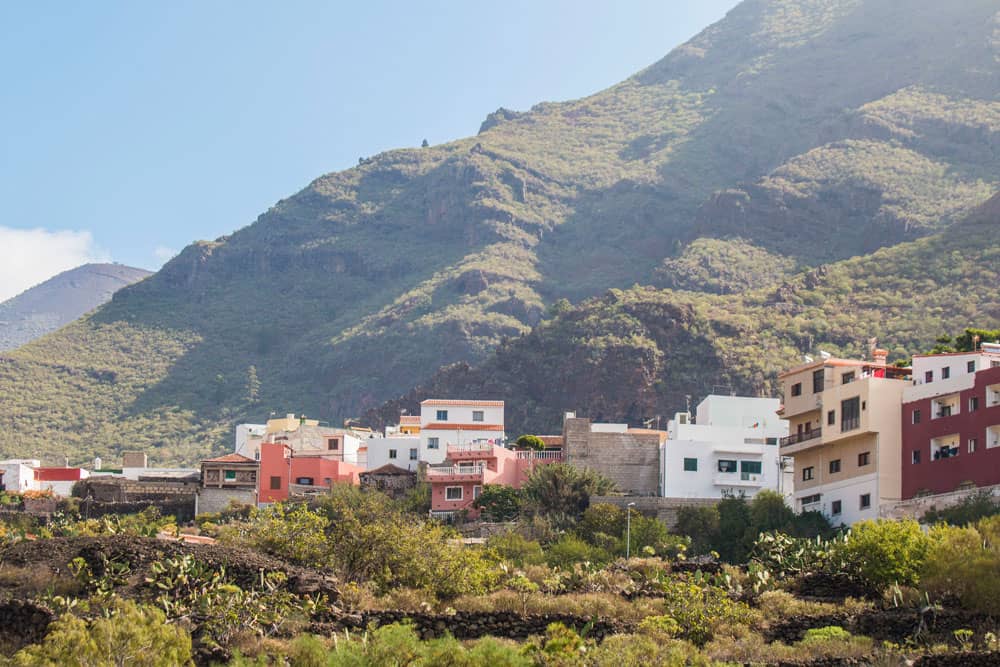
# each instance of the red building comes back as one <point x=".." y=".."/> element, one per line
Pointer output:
<point x="951" y="423"/>
<point x="457" y="482"/>
<point x="281" y="471"/>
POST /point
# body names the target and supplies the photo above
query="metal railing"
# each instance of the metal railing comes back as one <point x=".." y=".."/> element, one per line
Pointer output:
<point x="850" y="423"/>
<point x="452" y="470"/>
<point x="796" y="438"/>
<point x="552" y="455"/>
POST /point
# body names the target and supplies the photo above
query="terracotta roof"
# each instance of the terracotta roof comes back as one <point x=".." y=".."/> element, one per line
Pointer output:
<point x="441" y="401"/>
<point x="229" y="458"/>
<point x="552" y="440"/>
<point x="822" y="363"/>
<point x="411" y="420"/>
<point x="648" y="431"/>
<point x="445" y="426"/>
<point x="389" y="469"/>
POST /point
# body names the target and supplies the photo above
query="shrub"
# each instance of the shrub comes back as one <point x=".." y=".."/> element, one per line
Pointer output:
<point x="570" y="549"/>
<point x="498" y="502"/>
<point x="701" y="525"/>
<point x="514" y="547"/>
<point x="131" y="635"/>
<point x="701" y="610"/>
<point x="640" y="650"/>
<point x="527" y="441"/>
<point x="964" y="563"/>
<point x="885" y="552"/>
<point x="827" y="633"/>
<point x="978" y="506"/>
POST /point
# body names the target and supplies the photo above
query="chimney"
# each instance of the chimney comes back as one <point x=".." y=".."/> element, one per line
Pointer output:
<point x="879" y="356"/>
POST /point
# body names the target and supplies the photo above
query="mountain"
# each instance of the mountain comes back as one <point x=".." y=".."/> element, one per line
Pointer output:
<point x="747" y="178"/>
<point x="60" y="300"/>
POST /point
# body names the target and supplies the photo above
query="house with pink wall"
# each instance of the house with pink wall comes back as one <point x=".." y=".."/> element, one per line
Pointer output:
<point x="468" y="467"/>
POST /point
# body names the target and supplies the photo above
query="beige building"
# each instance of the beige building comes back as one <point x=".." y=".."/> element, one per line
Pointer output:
<point x="844" y="419"/>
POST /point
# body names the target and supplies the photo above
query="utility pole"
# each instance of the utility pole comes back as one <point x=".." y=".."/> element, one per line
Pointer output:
<point x="628" y="530"/>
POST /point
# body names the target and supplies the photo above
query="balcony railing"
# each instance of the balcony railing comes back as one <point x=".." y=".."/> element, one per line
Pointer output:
<point x="796" y="438"/>
<point x="455" y="471"/>
<point x="471" y="447"/>
<point x="551" y="455"/>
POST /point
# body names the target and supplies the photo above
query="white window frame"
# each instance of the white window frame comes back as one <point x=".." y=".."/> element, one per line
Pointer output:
<point x="477" y="491"/>
<point x="478" y="415"/>
<point x="442" y="416"/>
<point x="449" y="489"/>
<point x="433" y="443"/>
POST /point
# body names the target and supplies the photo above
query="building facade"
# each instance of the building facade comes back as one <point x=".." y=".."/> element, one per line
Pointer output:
<point x="457" y="422"/>
<point x="285" y="472"/>
<point x="844" y="435"/>
<point x="730" y="448"/>
<point x="951" y="423"/>
<point x="467" y="468"/>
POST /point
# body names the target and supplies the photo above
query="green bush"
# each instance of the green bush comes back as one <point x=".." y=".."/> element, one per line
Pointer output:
<point x="971" y="509"/>
<point x="131" y="635"/>
<point x="885" y="552"/>
<point x="964" y="563"/>
<point x="498" y="502"/>
<point x="527" y="441"/>
<point x="701" y="610"/>
<point x="514" y="547"/>
<point x="827" y="633"/>
<point x="570" y="549"/>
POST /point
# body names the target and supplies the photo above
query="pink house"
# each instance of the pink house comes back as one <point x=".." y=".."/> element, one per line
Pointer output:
<point x="281" y="470"/>
<point x="457" y="482"/>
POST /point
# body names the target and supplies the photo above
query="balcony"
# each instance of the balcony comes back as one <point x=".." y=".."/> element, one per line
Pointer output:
<point x="850" y="424"/>
<point x="945" y="447"/>
<point x="473" y="450"/>
<point x="796" y="438"/>
<point x="545" y="455"/>
<point x="738" y="479"/>
<point x="456" y="473"/>
<point x="945" y="406"/>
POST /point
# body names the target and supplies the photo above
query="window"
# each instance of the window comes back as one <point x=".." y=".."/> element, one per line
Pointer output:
<point x="971" y="366"/>
<point x="797" y="389"/>
<point x="834" y="466"/>
<point x="726" y="465"/>
<point x="850" y="414"/>
<point x="973" y="403"/>
<point x="771" y="441"/>
<point x="275" y="483"/>
<point x="809" y="500"/>
<point x="831" y="417"/>
<point x="866" y="501"/>
<point x="433" y="443"/>
<point x="972" y="445"/>
<point x="304" y="481"/>
<point x="807" y="474"/>
<point x="413" y="453"/>
<point x="929" y="377"/>
<point x="819" y="381"/>
<point x="477" y="416"/>
<point x="916" y="416"/>
<point x="847" y="378"/>
<point x="946" y="372"/>
<point x="835" y="507"/>
<point x="453" y="493"/>
<point x="690" y="465"/>
<point x="476" y="490"/>
<point x="333" y="443"/>
<point x="230" y="475"/>
<point x="442" y="415"/>
<point x="864" y="458"/>
<point x="915" y="457"/>
<point x="995" y="364"/>
<point x="392" y="453"/>
<point x="748" y="468"/>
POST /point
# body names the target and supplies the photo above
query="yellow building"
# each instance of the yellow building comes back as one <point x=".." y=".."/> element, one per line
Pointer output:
<point x="289" y="423"/>
<point x="844" y="419"/>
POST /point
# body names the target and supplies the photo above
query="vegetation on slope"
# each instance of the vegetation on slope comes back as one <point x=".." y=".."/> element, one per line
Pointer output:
<point x="770" y="127"/>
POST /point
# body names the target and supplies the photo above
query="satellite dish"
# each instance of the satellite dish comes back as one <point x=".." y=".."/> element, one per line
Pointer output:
<point x="807" y="358"/>
<point x="825" y="355"/>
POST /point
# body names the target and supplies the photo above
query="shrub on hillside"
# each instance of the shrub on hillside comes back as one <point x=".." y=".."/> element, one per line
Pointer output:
<point x="885" y="552"/>
<point x="964" y="564"/>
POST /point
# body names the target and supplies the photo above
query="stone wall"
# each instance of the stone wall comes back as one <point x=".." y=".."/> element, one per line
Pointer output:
<point x="118" y="489"/>
<point x="471" y="625"/>
<point x="632" y="460"/>
<point x="664" y="509"/>
<point x="914" y="508"/>
<point x="23" y="623"/>
<point x="211" y="501"/>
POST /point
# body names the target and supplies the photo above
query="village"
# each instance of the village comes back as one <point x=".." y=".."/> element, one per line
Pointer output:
<point x="852" y="440"/>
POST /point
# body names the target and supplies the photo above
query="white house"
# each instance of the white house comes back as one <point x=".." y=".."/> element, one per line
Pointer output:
<point x="19" y="474"/>
<point x="730" y="448"/>
<point x="458" y="422"/>
<point x="248" y="437"/>
<point x="401" y="450"/>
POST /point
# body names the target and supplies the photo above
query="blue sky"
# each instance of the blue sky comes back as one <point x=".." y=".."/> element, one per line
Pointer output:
<point x="131" y="129"/>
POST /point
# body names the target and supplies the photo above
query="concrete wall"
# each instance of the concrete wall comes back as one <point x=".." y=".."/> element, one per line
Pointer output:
<point x="631" y="460"/>
<point x="210" y="501"/>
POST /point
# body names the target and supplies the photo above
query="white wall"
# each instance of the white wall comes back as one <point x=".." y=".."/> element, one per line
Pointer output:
<point x="378" y="452"/>
<point x="849" y="493"/>
<point x="728" y="428"/>
<point x="19" y="474"/>
<point x="460" y="412"/>
<point x="244" y="432"/>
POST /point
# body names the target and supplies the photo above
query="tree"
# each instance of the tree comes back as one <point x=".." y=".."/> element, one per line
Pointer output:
<point x="499" y="502"/>
<point x="131" y="635"/>
<point x="768" y="511"/>
<point x="560" y="488"/>
<point x="253" y="386"/>
<point x="424" y="144"/>
<point x="701" y="524"/>
<point x="527" y="441"/>
<point x="736" y="535"/>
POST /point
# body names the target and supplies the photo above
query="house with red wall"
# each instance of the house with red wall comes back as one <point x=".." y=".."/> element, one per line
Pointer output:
<point x="951" y="422"/>
<point x="468" y="467"/>
<point x="284" y="471"/>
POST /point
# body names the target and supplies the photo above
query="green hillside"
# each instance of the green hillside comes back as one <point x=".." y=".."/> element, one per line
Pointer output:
<point x="788" y="135"/>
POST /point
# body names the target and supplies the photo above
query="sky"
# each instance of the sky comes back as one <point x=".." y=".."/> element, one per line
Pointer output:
<point x="130" y="129"/>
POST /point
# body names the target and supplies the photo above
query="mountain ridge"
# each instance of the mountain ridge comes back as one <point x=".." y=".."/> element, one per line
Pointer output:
<point x="768" y="139"/>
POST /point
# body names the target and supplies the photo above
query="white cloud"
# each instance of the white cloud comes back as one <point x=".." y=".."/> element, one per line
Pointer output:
<point x="31" y="256"/>
<point x="163" y="254"/>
